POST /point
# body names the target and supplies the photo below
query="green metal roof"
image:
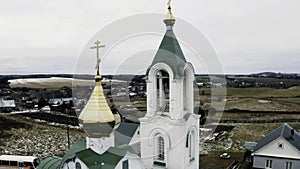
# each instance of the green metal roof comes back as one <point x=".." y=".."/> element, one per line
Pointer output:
<point x="78" y="146"/>
<point x="50" y="163"/>
<point x="91" y="159"/>
<point x="107" y="160"/>
<point x="170" y="53"/>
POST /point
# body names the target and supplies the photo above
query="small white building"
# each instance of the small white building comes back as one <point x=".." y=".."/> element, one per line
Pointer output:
<point x="280" y="149"/>
<point x="7" y="103"/>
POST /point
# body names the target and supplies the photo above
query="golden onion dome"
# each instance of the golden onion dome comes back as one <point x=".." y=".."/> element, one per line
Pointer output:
<point x="97" y="119"/>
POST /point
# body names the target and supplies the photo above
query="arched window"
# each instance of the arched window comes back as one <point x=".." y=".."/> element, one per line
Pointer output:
<point x="163" y="90"/>
<point x="185" y="91"/>
<point x="191" y="145"/>
<point x="188" y="90"/>
<point x="160" y="142"/>
<point x="160" y="149"/>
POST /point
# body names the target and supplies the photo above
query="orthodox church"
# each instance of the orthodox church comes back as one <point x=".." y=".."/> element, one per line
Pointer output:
<point x="167" y="136"/>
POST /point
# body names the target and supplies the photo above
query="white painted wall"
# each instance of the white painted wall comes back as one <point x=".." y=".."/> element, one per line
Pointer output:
<point x="100" y="145"/>
<point x="175" y="134"/>
<point x="278" y="163"/>
<point x="134" y="161"/>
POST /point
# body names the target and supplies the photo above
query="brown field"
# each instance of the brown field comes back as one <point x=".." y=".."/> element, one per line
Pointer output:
<point x="23" y="136"/>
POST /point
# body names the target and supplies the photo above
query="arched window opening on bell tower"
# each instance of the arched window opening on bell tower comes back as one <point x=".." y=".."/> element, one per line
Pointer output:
<point x="163" y="91"/>
<point x="185" y="92"/>
<point x="188" y="90"/>
<point x="191" y="145"/>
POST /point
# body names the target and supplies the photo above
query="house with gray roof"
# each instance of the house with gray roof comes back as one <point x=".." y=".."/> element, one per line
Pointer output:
<point x="280" y="149"/>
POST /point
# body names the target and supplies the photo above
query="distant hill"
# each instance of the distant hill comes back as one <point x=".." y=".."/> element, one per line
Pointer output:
<point x="277" y="75"/>
<point x="35" y="76"/>
<point x="263" y="79"/>
<point x="129" y="77"/>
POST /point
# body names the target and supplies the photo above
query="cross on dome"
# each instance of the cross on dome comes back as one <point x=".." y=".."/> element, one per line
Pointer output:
<point x="97" y="47"/>
<point x="170" y="19"/>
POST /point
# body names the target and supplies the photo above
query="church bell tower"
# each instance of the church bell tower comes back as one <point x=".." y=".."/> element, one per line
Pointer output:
<point x="170" y="129"/>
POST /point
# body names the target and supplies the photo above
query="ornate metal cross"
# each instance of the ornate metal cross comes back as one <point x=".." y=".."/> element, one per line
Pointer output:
<point x="97" y="47"/>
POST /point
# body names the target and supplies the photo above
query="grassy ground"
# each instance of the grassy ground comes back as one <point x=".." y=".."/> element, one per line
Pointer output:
<point x="213" y="161"/>
<point x="23" y="136"/>
<point x="255" y="92"/>
<point x="254" y="99"/>
<point x="254" y="116"/>
<point x="249" y="132"/>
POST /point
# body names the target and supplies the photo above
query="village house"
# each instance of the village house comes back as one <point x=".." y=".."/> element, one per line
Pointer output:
<point x="280" y="149"/>
<point x="7" y="105"/>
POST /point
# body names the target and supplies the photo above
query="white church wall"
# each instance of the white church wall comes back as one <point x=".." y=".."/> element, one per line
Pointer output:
<point x="151" y="97"/>
<point x="176" y="98"/>
<point x="133" y="160"/>
<point x="188" y="86"/>
<point x="100" y="145"/>
<point x="175" y="135"/>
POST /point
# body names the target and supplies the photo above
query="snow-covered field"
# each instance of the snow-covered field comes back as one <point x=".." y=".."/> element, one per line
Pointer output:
<point x="53" y="82"/>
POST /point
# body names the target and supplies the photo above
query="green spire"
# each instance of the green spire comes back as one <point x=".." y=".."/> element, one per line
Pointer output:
<point x="169" y="51"/>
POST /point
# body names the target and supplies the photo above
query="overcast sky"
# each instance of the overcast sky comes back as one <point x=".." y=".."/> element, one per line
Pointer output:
<point x="47" y="36"/>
